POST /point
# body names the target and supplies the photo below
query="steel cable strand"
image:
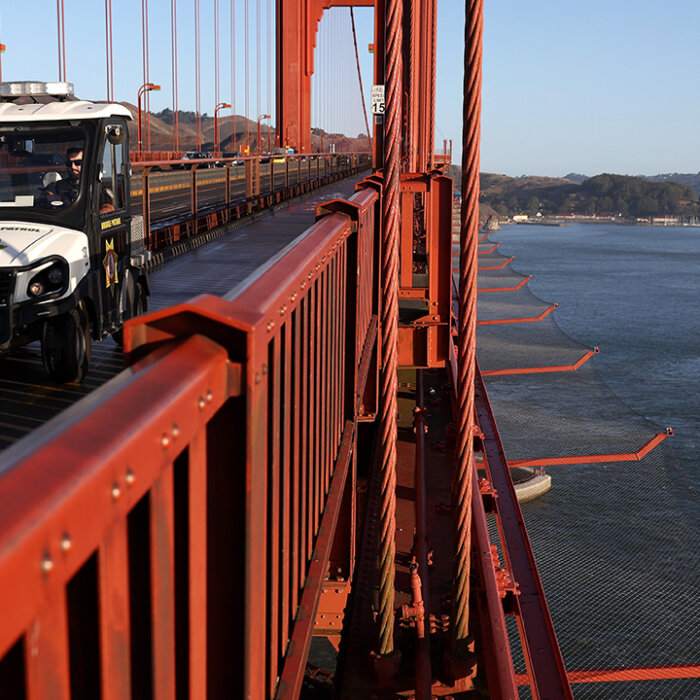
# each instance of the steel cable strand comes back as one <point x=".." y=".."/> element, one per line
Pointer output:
<point x="390" y="313"/>
<point x="466" y="361"/>
<point x="359" y="77"/>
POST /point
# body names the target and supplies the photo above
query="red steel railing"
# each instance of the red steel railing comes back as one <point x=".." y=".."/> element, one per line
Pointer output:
<point x="174" y="532"/>
<point x="218" y="195"/>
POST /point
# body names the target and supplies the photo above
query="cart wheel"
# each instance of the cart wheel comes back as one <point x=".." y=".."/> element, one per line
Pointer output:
<point x="66" y="347"/>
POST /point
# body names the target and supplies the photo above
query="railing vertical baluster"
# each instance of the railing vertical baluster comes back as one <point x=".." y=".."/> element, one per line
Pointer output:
<point x="335" y="354"/>
<point x="193" y="200"/>
<point x="46" y="653"/>
<point x="325" y="387"/>
<point x="258" y="415"/>
<point x="273" y="505"/>
<point x="287" y="519"/>
<point x="343" y="314"/>
<point x="163" y="585"/>
<point x="306" y="483"/>
<point x="313" y="393"/>
<point x="115" y="636"/>
<point x="297" y="461"/>
<point x="198" y="536"/>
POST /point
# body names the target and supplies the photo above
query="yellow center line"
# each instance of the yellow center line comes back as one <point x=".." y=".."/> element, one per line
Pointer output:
<point x="183" y="185"/>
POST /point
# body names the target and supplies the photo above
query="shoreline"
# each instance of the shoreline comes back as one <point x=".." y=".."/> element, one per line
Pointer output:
<point x="616" y="222"/>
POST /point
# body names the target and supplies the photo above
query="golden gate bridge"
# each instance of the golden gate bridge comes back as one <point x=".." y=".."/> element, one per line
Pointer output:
<point x="304" y="453"/>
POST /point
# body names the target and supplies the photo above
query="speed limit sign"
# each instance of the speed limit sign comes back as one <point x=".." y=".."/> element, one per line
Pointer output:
<point x="377" y="99"/>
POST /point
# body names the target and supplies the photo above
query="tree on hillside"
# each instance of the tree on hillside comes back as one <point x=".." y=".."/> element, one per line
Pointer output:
<point x="532" y="206"/>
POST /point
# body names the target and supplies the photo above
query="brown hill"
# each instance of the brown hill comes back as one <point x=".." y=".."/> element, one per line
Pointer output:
<point x="246" y="130"/>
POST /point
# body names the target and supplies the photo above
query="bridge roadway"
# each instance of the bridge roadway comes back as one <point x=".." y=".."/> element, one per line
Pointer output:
<point x="28" y="399"/>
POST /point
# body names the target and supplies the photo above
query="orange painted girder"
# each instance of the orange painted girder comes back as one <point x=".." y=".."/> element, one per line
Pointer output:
<point x="530" y="319"/>
<point x="541" y="370"/>
<point x="634" y="673"/>
<point x="593" y="459"/>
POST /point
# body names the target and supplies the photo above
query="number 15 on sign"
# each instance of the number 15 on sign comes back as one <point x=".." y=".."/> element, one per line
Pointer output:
<point x="377" y="99"/>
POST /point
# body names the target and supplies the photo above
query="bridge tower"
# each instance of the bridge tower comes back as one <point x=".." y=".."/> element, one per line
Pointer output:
<point x="297" y="26"/>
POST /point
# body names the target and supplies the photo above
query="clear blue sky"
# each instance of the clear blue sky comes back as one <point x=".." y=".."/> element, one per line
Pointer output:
<point x="594" y="86"/>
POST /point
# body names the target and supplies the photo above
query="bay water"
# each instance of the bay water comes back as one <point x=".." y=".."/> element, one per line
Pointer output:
<point x="633" y="291"/>
<point x="618" y="545"/>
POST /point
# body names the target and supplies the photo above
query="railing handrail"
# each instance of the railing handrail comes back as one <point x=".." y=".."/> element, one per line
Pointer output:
<point x="274" y="351"/>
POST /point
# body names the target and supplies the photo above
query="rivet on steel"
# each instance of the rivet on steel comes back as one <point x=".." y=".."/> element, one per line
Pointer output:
<point x="116" y="491"/>
<point x="283" y="308"/>
<point x="311" y="274"/>
<point x="66" y="542"/>
<point x="264" y="369"/>
<point x="293" y="298"/>
<point x="130" y="477"/>
<point x="317" y="267"/>
<point x="270" y="326"/>
<point x="201" y="403"/>
<point x="210" y="396"/>
<point x="46" y="563"/>
<point x="165" y="441"/>
<point x="257" y="377"/>
<point x="175" y="430"/>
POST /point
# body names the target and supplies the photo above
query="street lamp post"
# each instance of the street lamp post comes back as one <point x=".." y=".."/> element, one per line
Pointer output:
<point x="221" y="105"/>
<point x="146" y="87"/>
<point x="262" y="116"/>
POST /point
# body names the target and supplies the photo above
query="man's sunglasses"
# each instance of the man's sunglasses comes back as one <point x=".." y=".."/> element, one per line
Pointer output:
<point x="77" y="161"/>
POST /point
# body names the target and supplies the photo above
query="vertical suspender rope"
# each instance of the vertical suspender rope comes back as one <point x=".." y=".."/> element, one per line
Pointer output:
<point x="144" y="139"/>
<point x="269" y="68"/>
<point x="258" y="103"/>
<point x="61" y="27"/>
<point x="246" y="21"/>
<point x="390" y="321"/>
<point x="109" y="51"/>
<point x="359" y="77"/>
<point x="216" y="64"/>
<point x="233" y="74"/>
<point x="466" y="361"/>
<point x="173" y="42"/>
<point x="147" y="74"/>
<point x="198" y="94"/>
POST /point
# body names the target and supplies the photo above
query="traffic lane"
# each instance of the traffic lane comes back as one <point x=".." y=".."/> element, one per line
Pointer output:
<point x="228" y="262"/>
<point x="171" y="191"/>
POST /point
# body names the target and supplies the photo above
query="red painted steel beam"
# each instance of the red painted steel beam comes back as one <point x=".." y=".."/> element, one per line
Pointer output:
<point x="541" y="370"/>
<point x="490" y="250"/>
<point x="528" y="319"/>
<point x="629" y="673"/>
<point x="498" y="267"/>
<point x="546" y="670"/>
<point x="507" y="289"/>
<point x="594" y="459"/>
<point x="501" y="678"/>
<point x="62" y="495"/>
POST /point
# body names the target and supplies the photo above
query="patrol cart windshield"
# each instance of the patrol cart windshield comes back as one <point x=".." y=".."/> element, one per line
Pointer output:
<point x="41" y="171"/>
